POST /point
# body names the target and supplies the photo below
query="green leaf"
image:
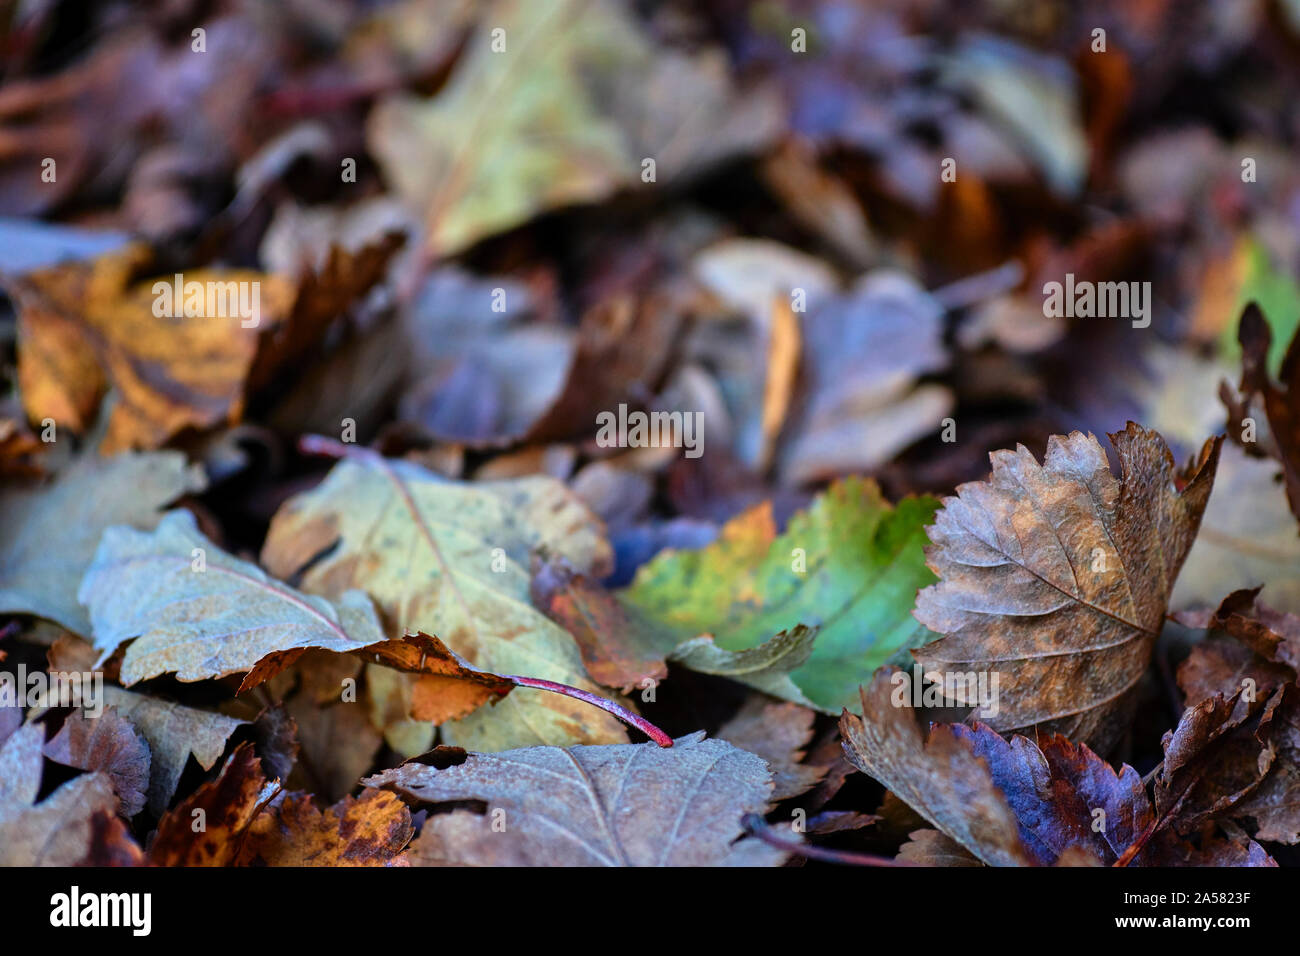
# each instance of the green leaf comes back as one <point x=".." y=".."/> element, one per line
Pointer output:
<point x="1278" y="296"/>
<point x="863" y="562"/>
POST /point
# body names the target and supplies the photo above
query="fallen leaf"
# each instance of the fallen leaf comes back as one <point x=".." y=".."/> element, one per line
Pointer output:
<point x="1015" y="803"/>
<point x="107" y="743"/>
<point x="1281" y="400"/>
<point x="625" y="805"/>
<point x="209" y="827"/>
<point x="84" y="326"/>
<point x="193" y="610"/>
<point x="48" y="534"/>
<point x="849" y="565"/>
<point x="779" y="733"/>
<point x="369" y="830"/>
<point x="583" y="97"/>
<point x="58" y="831"/>
<point x="863" y="354"/>
<point x="173" y="731"/>
<point x="934" y="848"/>
<point x="453" y="563"/>
<point x="1057" y="577"/>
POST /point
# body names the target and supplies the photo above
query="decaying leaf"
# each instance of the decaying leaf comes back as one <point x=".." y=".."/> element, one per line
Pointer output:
<point x="369" y="830"/>
<point x="1236" y="751"/>
<point x="777" y="732"/>
<point x="628" y="805"/>
<point x="179" y="351"/>
<point x="169" y="373"/>
<point x="1057" y="577"/>
<point x="110" y="744"/>
<point x="58" y="831"/>
<point x="173" y="732"/>
<point x="225" y="807"/>
<point x="1281" y="400"/>
<point x="1016" y="803"/>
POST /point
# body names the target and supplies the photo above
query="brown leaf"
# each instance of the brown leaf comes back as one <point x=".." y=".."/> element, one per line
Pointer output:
<point x="620" y="805"/>
<point x="59" y="830"/>
<point x="1057" y="577"/>
<point x="1010" y="802"/>
<point x="778" y="732"/>
<point x="620" y="647"/>
<point x="933" y="848"/>
<point x="369" y="830"/>
<point x="1237" y="749"/>
<point x="338" y="741"/>
<point x="89" y="325"/>
<point x="1281" y="401"/>
<point x="108" y="743"/>
<point x="86" y="326"/>
<point x="111" y="843"/>
<point x="208" y="828"/>
<point x="941" y="777"/>
<point x="447" y="687"/>
<point x="1217" y="755"/>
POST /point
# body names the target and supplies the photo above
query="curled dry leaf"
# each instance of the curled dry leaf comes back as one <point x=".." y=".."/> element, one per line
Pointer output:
<point x="1017" y="803"/>
<point x="1281" y="400"/>
<point x="110" y="744"/>
<point x="1236" y="752"/>
<point x="86" y="326"/>
<point x="626" y="805"/>
<point x="58" y="831"/>
<point x="226" y="806"/>
<point x="1057" y="577"/>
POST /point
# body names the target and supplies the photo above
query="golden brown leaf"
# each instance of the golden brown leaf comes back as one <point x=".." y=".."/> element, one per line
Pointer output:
<point x="1056" y="577"/>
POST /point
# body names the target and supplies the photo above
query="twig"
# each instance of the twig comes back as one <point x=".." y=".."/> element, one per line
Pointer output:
<point x="622" y="713"/>
<point x="757" y="826"/>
